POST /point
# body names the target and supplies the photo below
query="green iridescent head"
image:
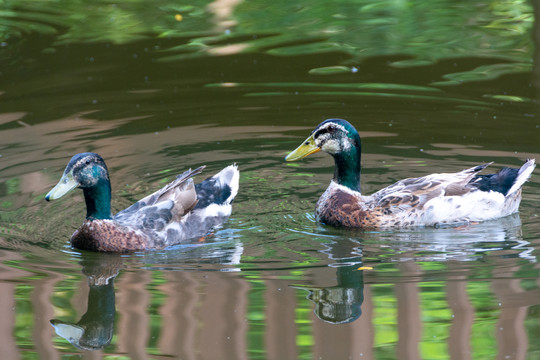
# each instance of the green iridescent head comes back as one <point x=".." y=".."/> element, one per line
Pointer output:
<point x="88" y="172"/>
<point x="340" y="139"/>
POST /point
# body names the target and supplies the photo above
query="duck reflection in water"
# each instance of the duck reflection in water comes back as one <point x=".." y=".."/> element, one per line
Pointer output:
<point x="340" y="304"/>
<point x="96" y="327"/>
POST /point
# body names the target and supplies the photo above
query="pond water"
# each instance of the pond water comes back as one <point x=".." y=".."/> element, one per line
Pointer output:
<point x="155" y="89"/>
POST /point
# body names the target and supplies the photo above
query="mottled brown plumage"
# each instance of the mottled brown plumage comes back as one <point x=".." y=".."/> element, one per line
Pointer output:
<point x="108" y="236"/>
<point x="341" y="208"/>
<point x="447" y="198"/>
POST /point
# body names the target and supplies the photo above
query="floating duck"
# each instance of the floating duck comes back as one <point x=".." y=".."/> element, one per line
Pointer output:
<point x="431" y="200"/>
<point x="174" y="214"/>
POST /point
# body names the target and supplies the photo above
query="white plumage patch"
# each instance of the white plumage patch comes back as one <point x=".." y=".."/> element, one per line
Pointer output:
<point x="164" y="205"/>
<point x="334" y="125"/>
<point x="214" y="210"/>
<point x="231" y="176"/>
<point x="330" y="146"/>
<point x="474" y="206"/>
<point x="334" y="186"/>
<point x="523" y="175"/>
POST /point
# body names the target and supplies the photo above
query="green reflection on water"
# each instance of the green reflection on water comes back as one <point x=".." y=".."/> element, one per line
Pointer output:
<point x="255" y="335"/>
<point x="436" y="320"/>
<point x="426" y="30"/>
<point x="384" y="320"/>
<point x="327" y="94"/>
<point x="377" y="86"/>
<point x="486" y="72"/>
<point x="304" y="334"/>
<point x="486" y="315"/>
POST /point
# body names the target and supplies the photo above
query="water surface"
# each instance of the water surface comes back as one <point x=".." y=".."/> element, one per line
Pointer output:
<point x="159" y="89"/>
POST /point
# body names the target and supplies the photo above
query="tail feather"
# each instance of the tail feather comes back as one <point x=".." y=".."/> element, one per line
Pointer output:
<point x="524" y="173"/>
<point x="219" y="189"/>
<point x="506" y="181"/>
<point x="477" y="168"/>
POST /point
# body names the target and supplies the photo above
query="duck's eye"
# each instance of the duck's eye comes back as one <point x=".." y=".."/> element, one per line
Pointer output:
<point x="87" y="162"/>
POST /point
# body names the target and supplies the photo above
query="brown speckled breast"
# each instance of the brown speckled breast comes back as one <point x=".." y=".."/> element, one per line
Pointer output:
<point x="342" y="209"/>
<point x="107" y="236"/>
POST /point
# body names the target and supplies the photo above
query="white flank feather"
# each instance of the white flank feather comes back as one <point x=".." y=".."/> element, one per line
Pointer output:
<point x="213" y="210"/>
<point x="474" y="206"/>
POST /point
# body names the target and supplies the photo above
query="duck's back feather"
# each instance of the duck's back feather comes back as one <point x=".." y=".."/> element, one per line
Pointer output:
<point x="156" y="210"/>
<point x="417" y="191"/>
<point x="215" y="195"/>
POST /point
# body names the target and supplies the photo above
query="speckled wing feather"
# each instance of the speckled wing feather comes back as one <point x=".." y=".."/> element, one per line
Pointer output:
<point x="415" y="192"/>
<point x="168" y="204"/>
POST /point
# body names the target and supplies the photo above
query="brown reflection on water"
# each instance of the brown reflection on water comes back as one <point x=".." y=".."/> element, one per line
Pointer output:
<point x="223" y="11"/>
<point x="133" y="303"/>
<point x="174" y="339"/>
<point x="280" y="327"/>
<point x="203" y="315"/>
<point x="511" y="333"/>
<point x="459" y="346"/>
<point x="42" y="332"/>
<point x="8" y="284"/>
<point x="409" y="312"/>
<point x="7" y="304"/>
<point x="206" y="315"/>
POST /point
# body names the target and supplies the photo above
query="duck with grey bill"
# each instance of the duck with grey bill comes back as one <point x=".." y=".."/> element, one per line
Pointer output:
<point x="176" y="213"/>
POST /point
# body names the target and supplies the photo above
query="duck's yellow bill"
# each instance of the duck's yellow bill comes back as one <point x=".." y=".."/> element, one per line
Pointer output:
<point x="66" y="184"/>
<point x="308" y="147"/>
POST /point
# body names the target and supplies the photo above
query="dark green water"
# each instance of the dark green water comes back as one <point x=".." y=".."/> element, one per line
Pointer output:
<point x="157" y="87"/>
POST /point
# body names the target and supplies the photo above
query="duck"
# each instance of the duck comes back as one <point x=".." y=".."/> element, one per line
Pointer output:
<point x="432" y="200"/>
<point x="176" y="213"/>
